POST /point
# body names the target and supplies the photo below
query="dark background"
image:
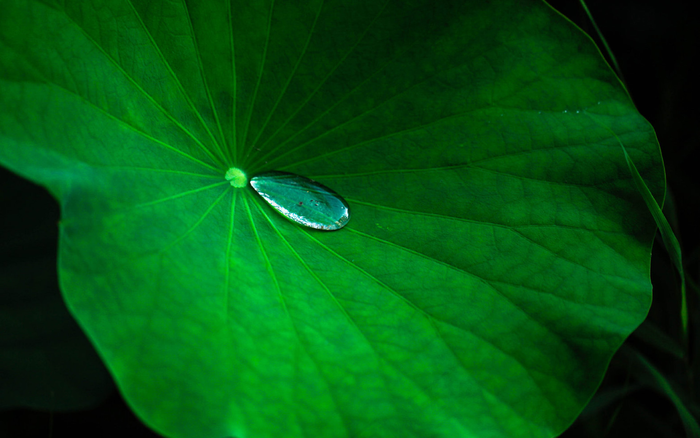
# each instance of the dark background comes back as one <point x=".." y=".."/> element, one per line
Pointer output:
<point x="656" y="45"/>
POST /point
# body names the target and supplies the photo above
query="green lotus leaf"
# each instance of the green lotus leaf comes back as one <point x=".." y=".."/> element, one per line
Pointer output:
<point x="498" y="252"/>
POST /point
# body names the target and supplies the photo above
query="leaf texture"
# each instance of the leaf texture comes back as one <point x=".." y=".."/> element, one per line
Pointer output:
<point x="498" y="252"/>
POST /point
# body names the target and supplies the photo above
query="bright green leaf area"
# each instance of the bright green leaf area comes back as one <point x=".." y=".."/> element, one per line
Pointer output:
<point x="498" y="252"/>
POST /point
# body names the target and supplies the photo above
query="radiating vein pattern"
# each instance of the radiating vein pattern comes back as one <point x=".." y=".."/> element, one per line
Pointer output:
<point x="497" y="255"/>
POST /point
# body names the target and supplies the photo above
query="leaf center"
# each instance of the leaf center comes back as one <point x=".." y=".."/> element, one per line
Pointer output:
<point x="236" y="177"/>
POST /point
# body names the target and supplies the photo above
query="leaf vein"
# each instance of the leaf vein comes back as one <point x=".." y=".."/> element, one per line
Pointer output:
<point x="260" y="75"/>
<point x="320" y="85"/>
<point x="205" y="83"/>
<point x="175" y="77"/>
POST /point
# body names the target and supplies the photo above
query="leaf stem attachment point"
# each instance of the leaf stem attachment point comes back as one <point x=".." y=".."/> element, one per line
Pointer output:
<point x="236" y="177"/>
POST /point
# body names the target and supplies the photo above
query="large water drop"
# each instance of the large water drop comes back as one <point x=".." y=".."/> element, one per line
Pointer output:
<point x="302" y="200"/>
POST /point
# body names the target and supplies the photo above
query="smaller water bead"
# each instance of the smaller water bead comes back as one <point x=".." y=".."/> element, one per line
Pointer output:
<point x="236" y="177"/>
<point x="302" y="200"/>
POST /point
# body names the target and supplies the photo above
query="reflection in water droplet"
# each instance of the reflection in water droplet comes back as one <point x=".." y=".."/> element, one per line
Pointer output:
<point x="302" y="200"/>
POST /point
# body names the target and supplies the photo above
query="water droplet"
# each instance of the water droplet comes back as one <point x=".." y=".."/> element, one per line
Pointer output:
<point x="577" y="111"/>
<point x="236" y="177"/>
<point x="302" y="200"/>
<point x="565" y="111"/>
